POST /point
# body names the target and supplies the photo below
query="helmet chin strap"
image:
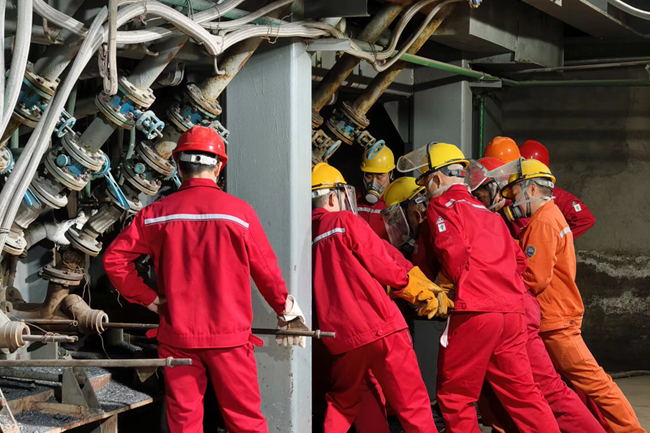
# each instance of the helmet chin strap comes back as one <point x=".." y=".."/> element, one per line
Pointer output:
<point x="527" y="201"/>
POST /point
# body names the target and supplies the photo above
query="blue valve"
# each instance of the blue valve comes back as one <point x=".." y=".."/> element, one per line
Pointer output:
<point x="175" y="178"/>
<point x="62" y="160"/>
<point x="139" y="168"/>
<point x="149" y="123"/>
<point x="375" y="149"/>
<point x="65" y="124"/>
<point x="331" y="150"/>
<point x="31" y="199"/>
<point x="105" y="172"/>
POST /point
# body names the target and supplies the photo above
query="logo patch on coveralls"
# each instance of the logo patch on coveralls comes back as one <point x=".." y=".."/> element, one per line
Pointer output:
<point x="577" y="206"/>
<point x="441" y="225"/>
<point x="530" y="251"/>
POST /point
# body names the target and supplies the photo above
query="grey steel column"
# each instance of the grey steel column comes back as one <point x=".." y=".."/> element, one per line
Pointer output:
<point x="268" y="113"/>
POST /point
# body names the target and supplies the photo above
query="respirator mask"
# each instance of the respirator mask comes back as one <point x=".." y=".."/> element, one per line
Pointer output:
<point x="374" y="191"/>
<point x="520" y="208"/>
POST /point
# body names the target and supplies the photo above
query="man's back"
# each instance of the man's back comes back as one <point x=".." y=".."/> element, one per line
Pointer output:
<point x="478" y="254"/>
<point x="205" y="245"/>
<point x="351" y="269"/>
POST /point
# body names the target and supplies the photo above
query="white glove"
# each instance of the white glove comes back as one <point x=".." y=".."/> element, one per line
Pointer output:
<point x="291" y="319"/>
<point x="56" y="231"/>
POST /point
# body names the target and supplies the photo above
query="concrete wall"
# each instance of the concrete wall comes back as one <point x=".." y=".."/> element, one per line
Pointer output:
<point x="599" y="140"/>
<point x="268" y="113"/>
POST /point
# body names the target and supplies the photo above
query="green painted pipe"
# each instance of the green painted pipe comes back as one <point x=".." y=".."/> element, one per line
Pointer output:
<point x="15" y="139"/>
<point x="481" y="125"/>
<point x="411" y="58"/>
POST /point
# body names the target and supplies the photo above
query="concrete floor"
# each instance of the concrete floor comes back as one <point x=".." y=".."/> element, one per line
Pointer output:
<point x="637" y="391"/>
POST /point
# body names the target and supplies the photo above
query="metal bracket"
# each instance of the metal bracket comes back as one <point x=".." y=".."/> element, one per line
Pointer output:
<point x="492" y="84"/>
<point x="77" y="389"/>
<point x="8" y="423"/>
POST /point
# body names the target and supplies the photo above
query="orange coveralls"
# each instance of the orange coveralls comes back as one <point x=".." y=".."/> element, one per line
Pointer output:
<point x="547" y="241"/>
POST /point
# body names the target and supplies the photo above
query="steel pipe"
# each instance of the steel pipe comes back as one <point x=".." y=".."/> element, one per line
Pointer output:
<point x="384" y="79"/>
<point x="481" y="125"/>
<point x="106" y="363"/>
<point x="52" y="338"/>
<point x="346" y="64"/>
<point x="261" y="331"/>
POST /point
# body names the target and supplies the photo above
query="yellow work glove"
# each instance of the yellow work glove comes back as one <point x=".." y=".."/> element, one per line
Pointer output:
<point x="444" y="301"/>
<point x="421" y="292"/>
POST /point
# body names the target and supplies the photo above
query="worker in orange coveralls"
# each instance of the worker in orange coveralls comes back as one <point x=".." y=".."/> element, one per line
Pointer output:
<point x="485" y="336"/>
<point x="548" y="243"/>
<point x="205" y="245"/>
<point x="485" y="179"/>
<point x="351" y="269"/>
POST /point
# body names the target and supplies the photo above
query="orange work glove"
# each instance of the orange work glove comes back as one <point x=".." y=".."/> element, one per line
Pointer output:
<point x="448" y="292"/>
<point x="421" y="292"/>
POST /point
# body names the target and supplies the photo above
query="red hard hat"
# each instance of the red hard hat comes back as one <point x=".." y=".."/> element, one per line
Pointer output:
<point x="503" y="148"/>
<point x="532" y="149"/>
<point x="202" y="139"/>
<point x="491" y="163"/>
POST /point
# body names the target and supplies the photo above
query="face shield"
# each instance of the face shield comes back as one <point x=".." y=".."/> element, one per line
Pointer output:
<point x="417" y="161"/>
<point x="397" y="225"/>
<point x="501" y="174"/>
<point x="476" y="175"/>
<point x="345" y="194"/>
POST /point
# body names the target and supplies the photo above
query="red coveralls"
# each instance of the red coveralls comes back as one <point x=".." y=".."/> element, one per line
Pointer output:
<point x="371" y="213"/>
<point x="486" y="330"/>
<point x="205" y="245"/>
<point x="351" y="269"/>
<point x="576" y="213"/>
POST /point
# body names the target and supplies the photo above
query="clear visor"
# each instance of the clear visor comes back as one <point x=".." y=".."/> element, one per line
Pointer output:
<point x="502" y="174"/>
<point x="414" y="161"/>
<point x="347" y="197"/>
<point x="476" y="175"/>
<point x="396" y="224"/>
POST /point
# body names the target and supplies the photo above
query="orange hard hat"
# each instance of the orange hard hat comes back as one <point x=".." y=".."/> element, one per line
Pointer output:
<point x="503" y="148"/>
<point x="202" y="139"/>
<point x="532" y="149"/>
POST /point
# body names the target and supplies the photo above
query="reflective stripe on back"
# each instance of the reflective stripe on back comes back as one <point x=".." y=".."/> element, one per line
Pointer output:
<point x="368" y="209"/>
<point x="327" y="234"/>
<point x="195" y="217"/>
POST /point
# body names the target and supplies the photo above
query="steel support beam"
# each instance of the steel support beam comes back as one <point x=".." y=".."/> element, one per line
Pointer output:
<point x="269" y="115"/>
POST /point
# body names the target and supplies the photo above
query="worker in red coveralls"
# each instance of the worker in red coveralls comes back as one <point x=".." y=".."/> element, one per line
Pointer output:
<point x="486" y="177"/>
<point x="576" y="213"/>
<point x="351" y="269"/>
<point x="485" y="336"/>
<point x="377" y="168"/>
<point x="205" y="245"/>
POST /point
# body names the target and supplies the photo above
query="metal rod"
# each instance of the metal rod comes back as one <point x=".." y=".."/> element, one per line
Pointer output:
<point x="584" y="67"/>
<point x="107" y="363"/>
<point x="314" y="334"/>
<point x="62" y="322"/>
<point x="51" y="338"/>
<point x="481" y="125"/>
<point x="261" y="331"/>
<point x="30" y="374"/>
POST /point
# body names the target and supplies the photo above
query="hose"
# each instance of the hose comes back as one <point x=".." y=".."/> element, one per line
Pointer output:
<point x="59" y="18"/>
<point x="180" y="21"/>
<point x="18" y="61"/>
<point x="639" y="13"/>
<point x="404" y="49"/>
<point x="20" y="178"/>
<point x="248" y="18"/>
<point x="3" y="5"/>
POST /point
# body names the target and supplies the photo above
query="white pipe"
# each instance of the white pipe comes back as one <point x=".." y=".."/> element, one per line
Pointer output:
<point x="59" y="18"/>
<point x="180" y="21"/>
<point x="639" y="13"/>
<point x="14" y="190"/>
<point x="3" y="5"/>
<point x="248" y="18"/>
<point x="18" y="61"/>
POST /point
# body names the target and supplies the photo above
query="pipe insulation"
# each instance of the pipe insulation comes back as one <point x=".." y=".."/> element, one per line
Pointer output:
<point x="3" y="5"/>
<point x="639" y="13"/>
<point x="248" y="18"/>
<point x="19" y="179"/>
<point x="18" y="61"/>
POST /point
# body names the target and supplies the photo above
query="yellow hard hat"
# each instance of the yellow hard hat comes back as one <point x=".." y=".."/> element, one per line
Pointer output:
<point x="324" y="175"/>
<point x="382" y="162"/>
<point x="401" y="190"/>
<point x="431" y="158"/>
<point x="530" y="169"/>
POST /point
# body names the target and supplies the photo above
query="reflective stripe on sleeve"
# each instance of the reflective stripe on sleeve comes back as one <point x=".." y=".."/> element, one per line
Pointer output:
<point x="328" y="234"/>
